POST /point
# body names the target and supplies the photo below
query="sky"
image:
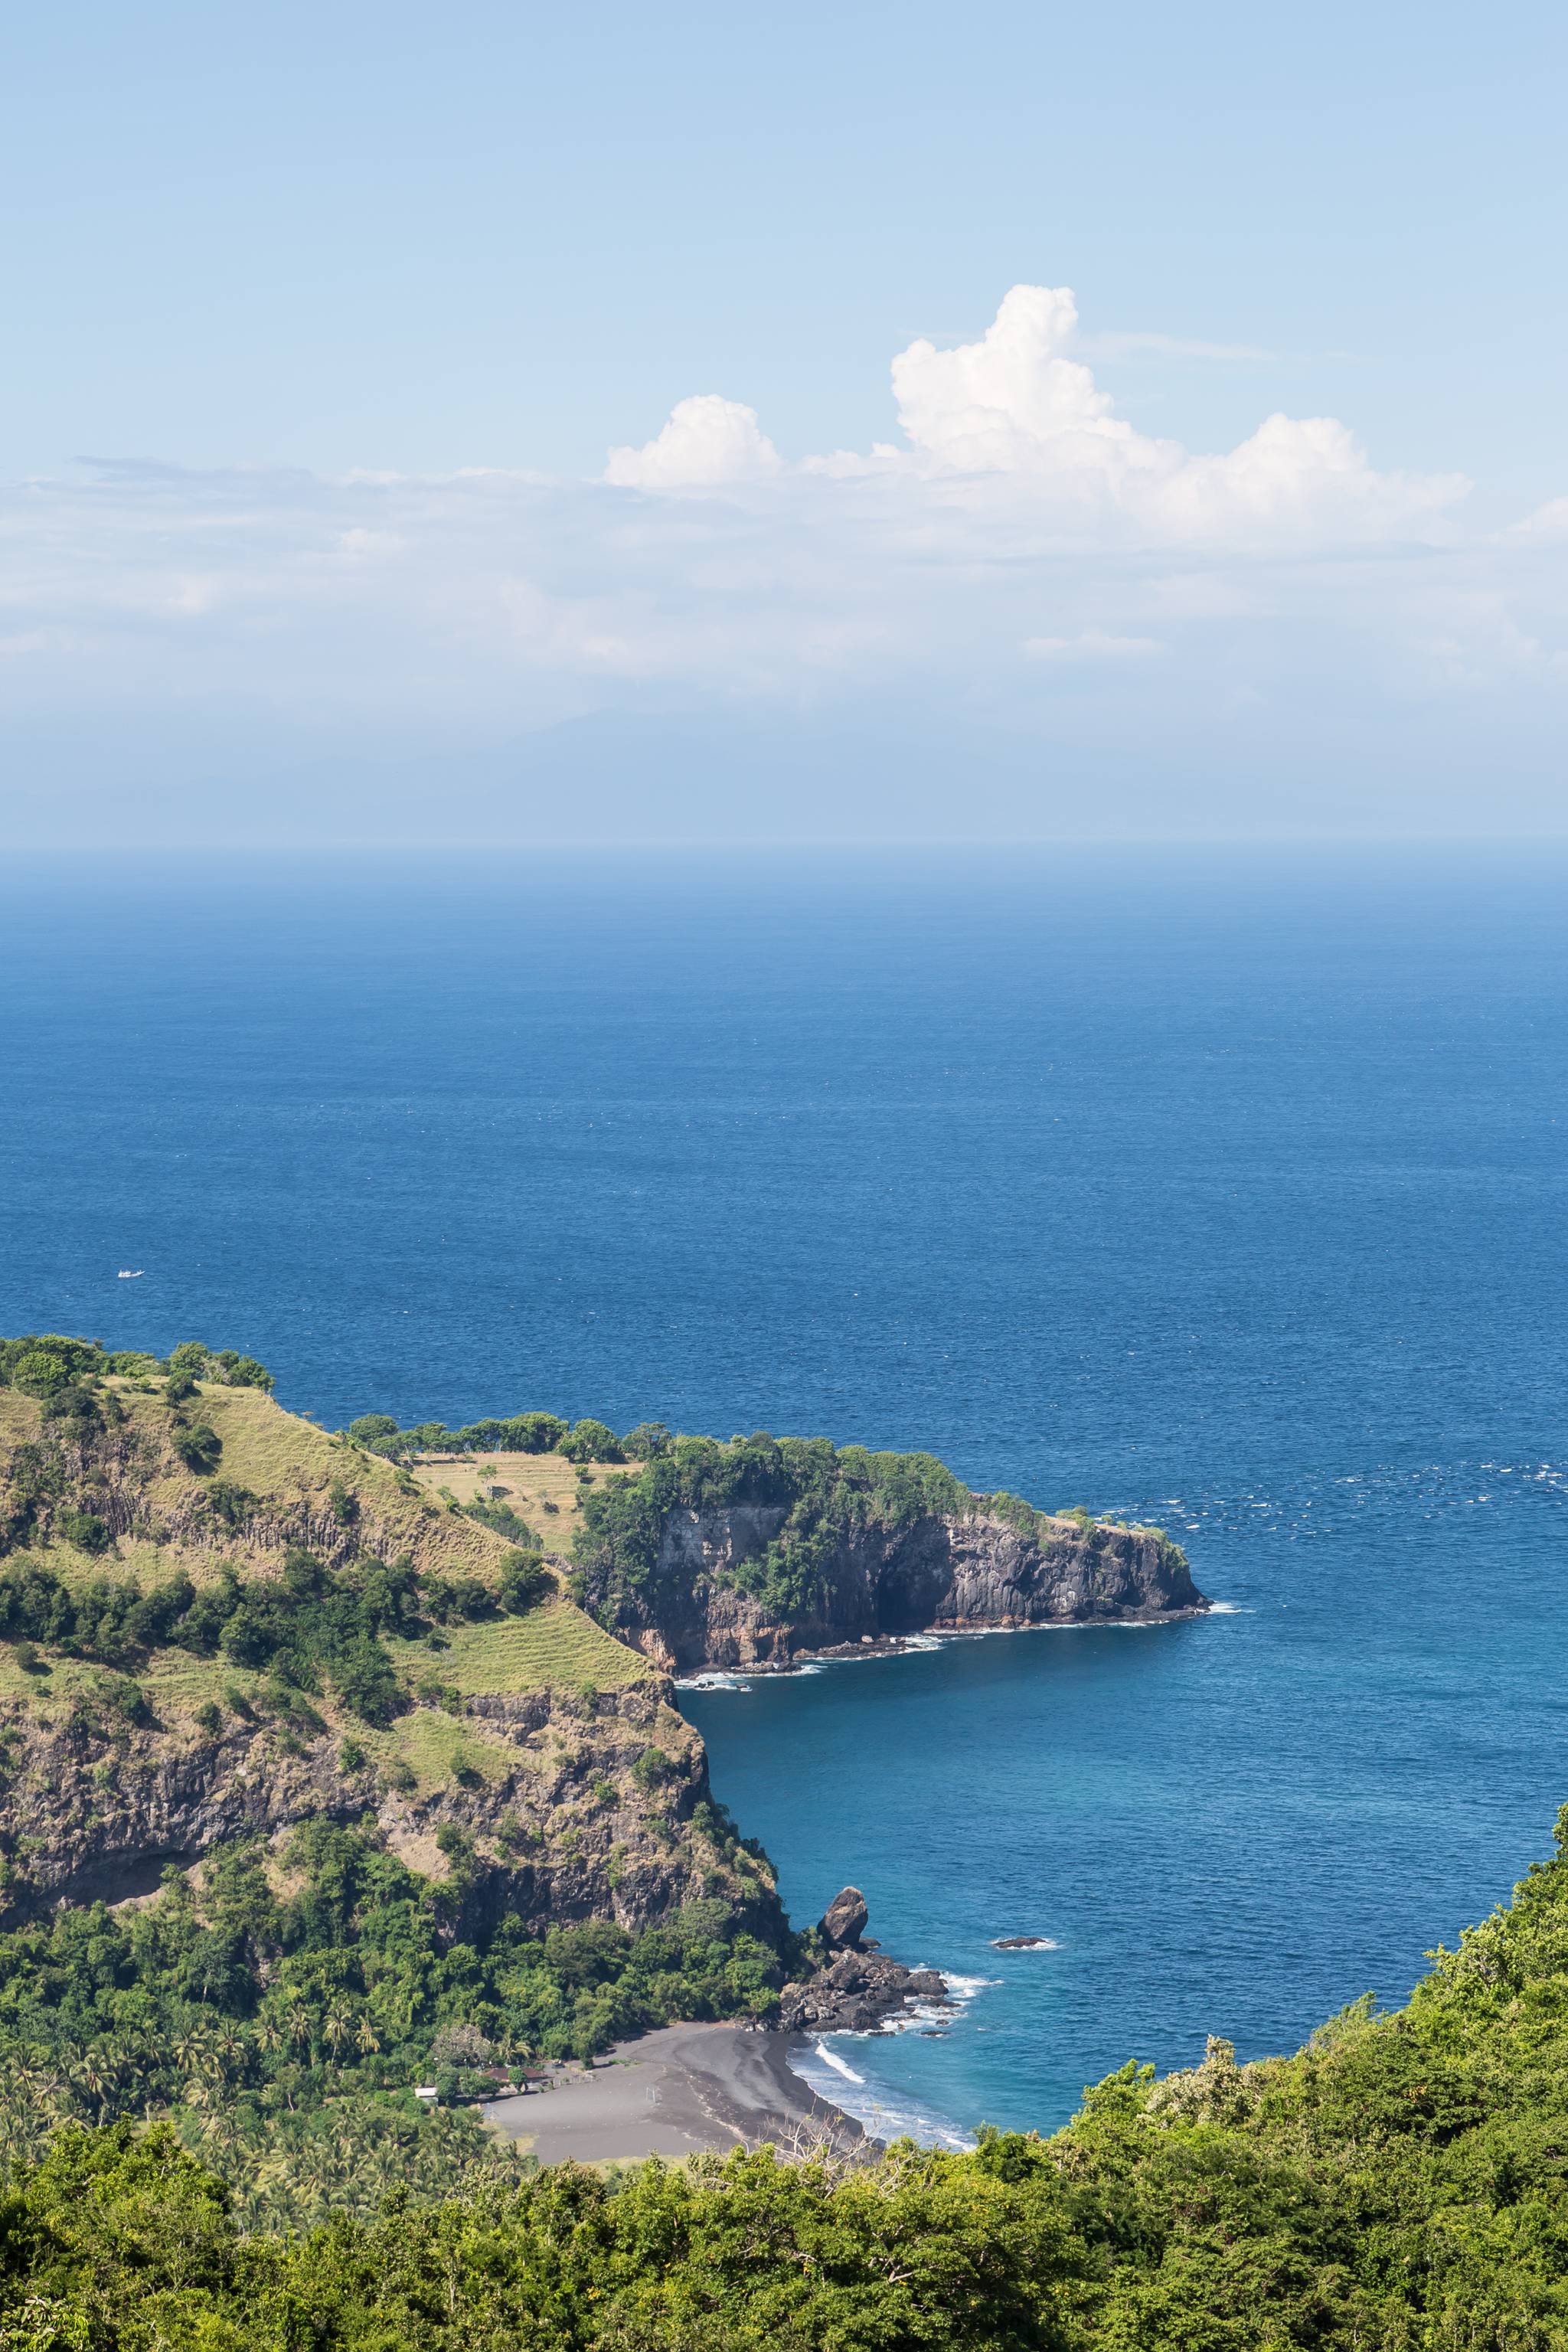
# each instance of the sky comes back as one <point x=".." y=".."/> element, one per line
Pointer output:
<point x="856" y="423"/>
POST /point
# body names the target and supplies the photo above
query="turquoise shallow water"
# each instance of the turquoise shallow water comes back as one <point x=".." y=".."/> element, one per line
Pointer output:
<point x="1228" y="1190"/>
<point x="1232" y="1825"/>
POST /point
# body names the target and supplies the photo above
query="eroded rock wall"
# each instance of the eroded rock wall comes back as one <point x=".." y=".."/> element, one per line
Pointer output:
<point x="952" y="1574"/>
<point x="561" y="1824"/>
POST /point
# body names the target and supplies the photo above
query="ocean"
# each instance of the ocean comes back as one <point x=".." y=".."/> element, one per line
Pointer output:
<point x="1225" y="1188"/>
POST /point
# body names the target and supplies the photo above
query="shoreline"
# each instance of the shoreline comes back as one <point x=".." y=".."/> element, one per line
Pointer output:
<point x="896" y="1645"/>
<point x="679" y="2090"/>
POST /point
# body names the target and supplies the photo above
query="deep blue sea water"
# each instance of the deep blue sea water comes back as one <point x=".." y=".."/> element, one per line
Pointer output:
<point x="1225" y="1188"/>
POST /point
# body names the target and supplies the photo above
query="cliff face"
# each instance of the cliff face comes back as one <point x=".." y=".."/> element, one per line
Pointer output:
<point x="558" y="1826"/>
<point x="958" y="1573"/>
<point x="557" y="1756"/>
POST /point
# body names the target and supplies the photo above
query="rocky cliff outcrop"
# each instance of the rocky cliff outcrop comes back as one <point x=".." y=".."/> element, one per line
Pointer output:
<point x="560" y="1824"/>
<point x="857" y="1989"/>
<point x="964" y="1573"/>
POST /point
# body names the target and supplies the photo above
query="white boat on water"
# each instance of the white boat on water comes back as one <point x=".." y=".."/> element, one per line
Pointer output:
<point x="129" y="1274"/>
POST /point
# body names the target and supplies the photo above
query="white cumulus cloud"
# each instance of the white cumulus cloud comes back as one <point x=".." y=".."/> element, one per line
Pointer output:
<point x="707" y="442"/>
<point x="1020" y="568"/>
<point x="1017" y="405"/>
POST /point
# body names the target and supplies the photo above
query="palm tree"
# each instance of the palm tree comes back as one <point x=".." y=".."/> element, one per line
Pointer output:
<point x="88" y="2074"/>
<point x="187" y="2049"/>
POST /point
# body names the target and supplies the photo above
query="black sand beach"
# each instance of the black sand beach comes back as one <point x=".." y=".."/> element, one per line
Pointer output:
<point x="673" y="2093"/>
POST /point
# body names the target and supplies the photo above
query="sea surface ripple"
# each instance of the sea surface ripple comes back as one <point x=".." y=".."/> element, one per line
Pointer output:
<point x="1227" y="1188"/>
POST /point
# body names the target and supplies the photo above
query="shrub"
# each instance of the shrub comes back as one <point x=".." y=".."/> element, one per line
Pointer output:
<point x="503" y="1519"/>
<point x="85" y="1529"/>
<point x="198" y="1446"/>
<point x="591" y="1440"/>
<point x="525" y="1581"/>
<point x="42" y="1362"/>
<point x="230" y="1503"/>
<point x="372" y="1430"/>
<point x="648" y="1441"/>
<point x="39" y="1373"/>
<point x="129" y="1699"/>
<point x="461" y="2044"/>
<point x="533" y="1433"/>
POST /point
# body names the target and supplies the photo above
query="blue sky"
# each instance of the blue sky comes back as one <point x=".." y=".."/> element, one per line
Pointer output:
<point x="346" y="307"/>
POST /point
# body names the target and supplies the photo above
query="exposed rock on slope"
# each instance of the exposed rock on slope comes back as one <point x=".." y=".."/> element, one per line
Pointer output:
<point x="548" y="1760"/>
<point x="555" y="1825"/>
<point x="945" y="1572"/>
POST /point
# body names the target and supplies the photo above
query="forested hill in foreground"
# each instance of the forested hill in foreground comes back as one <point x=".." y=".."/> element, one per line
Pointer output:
<point x="1401" y="2185"/>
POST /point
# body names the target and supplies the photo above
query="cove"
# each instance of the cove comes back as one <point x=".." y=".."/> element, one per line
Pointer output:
<point x="1226" y="1190"/>
<point x="1233" y="1825"/>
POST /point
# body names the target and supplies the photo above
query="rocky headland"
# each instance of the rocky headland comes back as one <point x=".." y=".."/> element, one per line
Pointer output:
<point x="710" y="1603"/>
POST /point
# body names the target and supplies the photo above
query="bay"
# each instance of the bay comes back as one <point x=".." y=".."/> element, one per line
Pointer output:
<point x="1223" y="1187"/>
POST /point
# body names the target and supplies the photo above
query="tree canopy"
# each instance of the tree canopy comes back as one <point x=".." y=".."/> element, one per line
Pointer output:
<point x="1400" y="2185"/>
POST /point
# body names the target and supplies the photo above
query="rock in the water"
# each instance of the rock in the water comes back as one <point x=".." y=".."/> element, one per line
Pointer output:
<point x="858" y="1990"/>
<point x="843" y="1921"/>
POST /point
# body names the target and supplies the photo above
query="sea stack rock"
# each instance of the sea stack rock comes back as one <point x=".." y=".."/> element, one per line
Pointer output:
<point x="858" y="1990"/>
<point x="844" y="1922"/>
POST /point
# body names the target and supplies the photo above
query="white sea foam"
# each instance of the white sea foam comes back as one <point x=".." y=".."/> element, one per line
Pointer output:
<point x="963" y="1988"/>
<point x="712" y="1682"/>
<point x="886" y="2115"/>
<point x="831" y="2058"/>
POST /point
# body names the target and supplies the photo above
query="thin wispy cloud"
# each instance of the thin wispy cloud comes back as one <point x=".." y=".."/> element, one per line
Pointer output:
<point x="1015" y="556"/>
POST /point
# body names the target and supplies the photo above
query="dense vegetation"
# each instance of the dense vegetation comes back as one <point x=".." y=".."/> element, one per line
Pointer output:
<point x="829" y="1493"/>
<point x="1401" y="2185"/>
<point x="281" y="2016"/>
<point x="42" y="1363"/>
<point x="524" y="1433"/>
<point x="311" y="1628"/>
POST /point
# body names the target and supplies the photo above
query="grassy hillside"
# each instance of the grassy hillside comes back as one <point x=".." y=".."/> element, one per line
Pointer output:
<point x="395" y="1785"/>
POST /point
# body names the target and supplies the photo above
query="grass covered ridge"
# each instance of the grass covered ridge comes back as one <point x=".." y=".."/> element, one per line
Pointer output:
<point x="171" y="1522"/>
